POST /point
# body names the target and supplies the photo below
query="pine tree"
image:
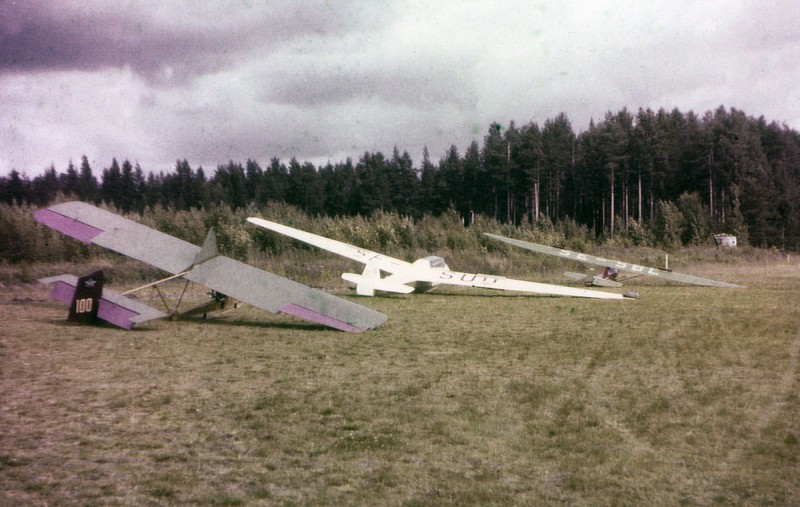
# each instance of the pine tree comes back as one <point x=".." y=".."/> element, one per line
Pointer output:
<point x="45" y="187"/>
<point x="111" y="184"/>
<point x="87" y="186"/>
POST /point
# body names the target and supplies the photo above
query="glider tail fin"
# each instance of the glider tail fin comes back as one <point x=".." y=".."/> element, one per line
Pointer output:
<point x="370" y="280"/>
<point x="370" y="277"/>
<point x="209" y="250"/>
<point x="86" y="298"/>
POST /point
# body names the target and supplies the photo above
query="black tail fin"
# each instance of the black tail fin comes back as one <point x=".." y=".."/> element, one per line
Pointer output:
<point x="87" y="298"/>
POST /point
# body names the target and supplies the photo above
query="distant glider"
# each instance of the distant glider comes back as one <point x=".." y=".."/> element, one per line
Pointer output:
<point x="224" y="276"/>
<point x="420" y="276"/>
<point x="611" y="268"/>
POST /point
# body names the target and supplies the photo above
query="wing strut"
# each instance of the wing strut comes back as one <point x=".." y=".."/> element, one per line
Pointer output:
<point x="151" y="284"/>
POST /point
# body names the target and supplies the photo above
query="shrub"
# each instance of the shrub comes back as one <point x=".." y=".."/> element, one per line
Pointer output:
<point x="697" y="229"/>
<point x="669" y="224"/>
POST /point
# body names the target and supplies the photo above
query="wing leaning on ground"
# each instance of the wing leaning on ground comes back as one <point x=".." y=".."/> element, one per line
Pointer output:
<point x="276" y="294"/>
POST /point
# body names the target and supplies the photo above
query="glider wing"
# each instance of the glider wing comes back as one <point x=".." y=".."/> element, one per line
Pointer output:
<point x="276" y="294"/>
<point x="90" y="224"/>
<point x="508" y="284"/>
<point x="610" y="263"/>
<point x="362" y="255"/>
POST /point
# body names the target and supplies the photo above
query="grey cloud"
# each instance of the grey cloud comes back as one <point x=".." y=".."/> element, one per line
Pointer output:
<point x="233" y="79"/>
<point x="189" y="40"/>
<point x="319" y="89"/>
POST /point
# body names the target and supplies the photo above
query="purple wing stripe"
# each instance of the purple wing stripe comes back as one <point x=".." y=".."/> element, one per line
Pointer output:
<point x="66" y="225"/>
<point x="62" y="292"/>
<point x="115" y="314"/>
<point x="305" y="313"/>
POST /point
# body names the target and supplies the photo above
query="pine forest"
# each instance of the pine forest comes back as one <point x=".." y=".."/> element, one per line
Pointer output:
<point x="659" y="178"/>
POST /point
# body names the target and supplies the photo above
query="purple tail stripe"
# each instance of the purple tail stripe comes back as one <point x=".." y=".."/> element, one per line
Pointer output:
<point x="306" y="314"/>
<point x="115" y="314"/>
<point x="62" y="292"/>
<point x="66" y="225"/>
<point x="107" y="311"/>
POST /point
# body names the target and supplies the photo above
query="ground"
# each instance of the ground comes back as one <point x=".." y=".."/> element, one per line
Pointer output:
<point x="688" y="395"/>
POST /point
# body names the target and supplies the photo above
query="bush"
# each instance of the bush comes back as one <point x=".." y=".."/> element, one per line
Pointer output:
<point x="697" y="221"/>
<point x="22" y="239"/>
<point x="188" y="225"/>
<point x="669" y="225"/>
<point x="445" y="231"/>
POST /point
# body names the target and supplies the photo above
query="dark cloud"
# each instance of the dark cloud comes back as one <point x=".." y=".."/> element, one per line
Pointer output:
<point x="210" y="81"/>
<point x="407" y="89"/>
<point x="182" y="40"/>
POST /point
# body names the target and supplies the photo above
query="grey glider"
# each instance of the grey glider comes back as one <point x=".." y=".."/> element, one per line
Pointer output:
<point x="204" y="266"/>
<point x="608" y="277"/>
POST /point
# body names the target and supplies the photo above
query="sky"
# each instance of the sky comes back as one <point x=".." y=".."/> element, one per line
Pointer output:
<point x="156" y="81"/>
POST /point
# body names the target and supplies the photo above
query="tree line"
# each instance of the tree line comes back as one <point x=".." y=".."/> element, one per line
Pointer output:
<point x="664" y="178"/>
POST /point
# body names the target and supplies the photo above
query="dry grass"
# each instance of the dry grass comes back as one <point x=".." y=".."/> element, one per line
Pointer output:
<point x="686" y="396"/>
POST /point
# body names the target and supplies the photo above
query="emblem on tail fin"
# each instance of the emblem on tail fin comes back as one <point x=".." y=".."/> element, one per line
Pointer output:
<point x="86" y="299"/>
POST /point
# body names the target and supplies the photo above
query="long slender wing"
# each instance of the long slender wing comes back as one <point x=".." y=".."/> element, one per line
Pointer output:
<point x="624" y="266"/>
<point x="279" y="295"/>
<point x="508" y="284"/>
<point x="362" y="255"/>
<point x="97" y="226"/>
<point x="113" y="308"/>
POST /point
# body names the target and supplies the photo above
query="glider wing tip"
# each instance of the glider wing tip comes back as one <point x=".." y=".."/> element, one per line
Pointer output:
<point x="326" y="320"/>
<point x="66" y="225"/>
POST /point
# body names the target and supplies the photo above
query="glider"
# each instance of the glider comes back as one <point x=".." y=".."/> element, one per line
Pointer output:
<point x="611" y="268"/>
<point x="224" y="276"/>
<point x="421" y="275"/>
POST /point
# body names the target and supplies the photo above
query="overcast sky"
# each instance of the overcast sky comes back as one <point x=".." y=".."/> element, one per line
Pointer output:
<point x="154" y="81"/>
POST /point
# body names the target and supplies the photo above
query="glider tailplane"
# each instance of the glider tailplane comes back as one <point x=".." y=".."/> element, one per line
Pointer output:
<point x="592" y="280"/>
<point x="370" y="280"/>
<point x="599" y="281"/>
<point x="580" y="277"/>
<point x="90" y="302"/>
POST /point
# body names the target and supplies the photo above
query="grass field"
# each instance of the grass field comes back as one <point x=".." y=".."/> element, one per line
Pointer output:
<point x="686" y="396"/>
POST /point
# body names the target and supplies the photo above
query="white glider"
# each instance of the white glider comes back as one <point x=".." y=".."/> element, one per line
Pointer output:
<point x="421" y="275"/>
